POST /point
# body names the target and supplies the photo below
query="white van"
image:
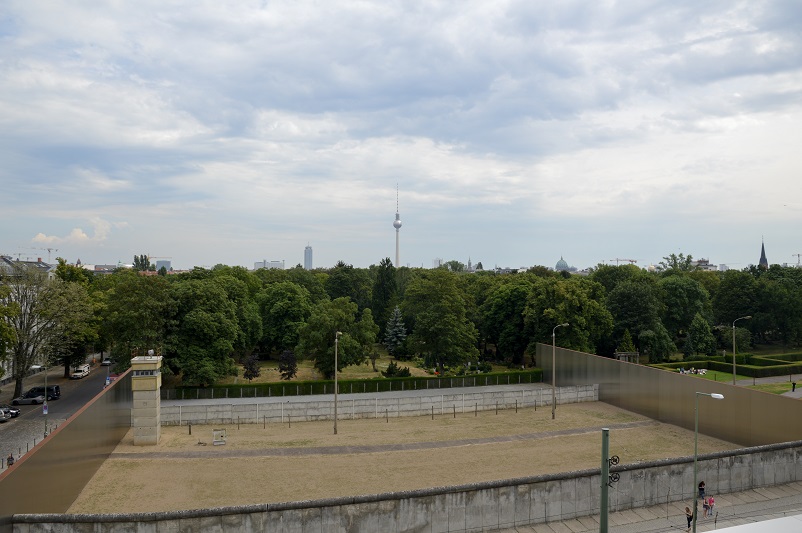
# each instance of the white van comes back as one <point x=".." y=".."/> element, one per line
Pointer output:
<point x="79" y="371"/>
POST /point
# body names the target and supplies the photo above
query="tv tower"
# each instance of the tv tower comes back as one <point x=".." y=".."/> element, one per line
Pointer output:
<point x="397" y="226"/>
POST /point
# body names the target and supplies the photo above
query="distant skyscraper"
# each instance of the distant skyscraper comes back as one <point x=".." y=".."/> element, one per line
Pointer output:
<point x="764" y="263"/>
<point x="308" y="257"/>
<point x="397" y="226"/>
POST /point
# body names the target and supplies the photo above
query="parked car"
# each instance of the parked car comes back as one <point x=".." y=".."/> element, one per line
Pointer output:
<point x="13" y="411"/>
<point x="106" y="362"/>
<point x="79" y="372"/>
<point x="53" y="392"/>
<point x="4" y="416"/>
<point x="25" y="400"/>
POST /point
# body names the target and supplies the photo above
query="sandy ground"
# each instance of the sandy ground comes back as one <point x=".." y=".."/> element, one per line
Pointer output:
<point x="306" y="461"/>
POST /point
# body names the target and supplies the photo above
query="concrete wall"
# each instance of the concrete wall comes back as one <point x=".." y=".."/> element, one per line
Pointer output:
<point x="265" y="411"/>
<point x="745" y="416"/>
<point x="467" y="508"/>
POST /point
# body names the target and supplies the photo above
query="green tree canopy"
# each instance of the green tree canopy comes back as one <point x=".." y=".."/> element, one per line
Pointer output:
<point x="284" y="307"/>
<point x="577" y="301"/>
<point x="442" y="331"/>
<point x="316" y="337"/>
<point x="203" y="332"/>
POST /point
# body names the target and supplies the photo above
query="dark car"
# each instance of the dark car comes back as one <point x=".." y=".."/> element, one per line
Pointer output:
<point x="53" y="392"/>
<point x="13" y="411"/>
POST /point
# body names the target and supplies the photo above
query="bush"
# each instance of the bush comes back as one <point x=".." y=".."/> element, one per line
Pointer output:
<point x="393" y="371"/>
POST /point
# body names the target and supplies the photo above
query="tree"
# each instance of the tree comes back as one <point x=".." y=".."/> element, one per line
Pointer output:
<point x="682" y="297"/>
<point x="737" y="296"/>
<point x="142" y="263"/>
<point x="251" y="367"/>
<point x="395" y="333"/>
<point x="316" y="337"/>
<point x="202" y="333"/>
<point x="656" y="343"/>
<point x="441" y="331"/>
<point x="287" y="365"/>
<point x="137" y="311"/>
<point x="40" y="312"/>
<point x="394" y="371"/>
<point x="627" y="346"/>
<point x="72" y="273"/>
<point x="454" y="266"/>
<point x="384" y="291"/>
<point x="634" y="305"/>
<point x="479" y="266"/>
<point x="345" y="280"/>
<point x="249" y="320"/>
<point x="676" y="262"/>
<point x="577" y="301"/>
<point x="503" y="319"/>
<point x="284" y="307"/>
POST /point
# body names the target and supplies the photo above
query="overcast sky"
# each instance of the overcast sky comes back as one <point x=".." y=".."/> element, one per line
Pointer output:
<point x="516" y="132"/>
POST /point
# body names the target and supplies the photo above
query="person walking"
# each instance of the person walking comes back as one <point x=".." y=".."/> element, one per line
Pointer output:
<point x="689" y="516"/>
<point x="10" y="460"/>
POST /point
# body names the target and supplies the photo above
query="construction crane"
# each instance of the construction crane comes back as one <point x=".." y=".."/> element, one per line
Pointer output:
<point x="630" y="261"/>
<point x="798" y="257"/>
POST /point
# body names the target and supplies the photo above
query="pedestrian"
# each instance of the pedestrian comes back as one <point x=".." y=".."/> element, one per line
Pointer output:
<point x="710" y="503"/>
<point x="705" y="507"/>
<point x="701" y="489"/>
<point x="689" y="516"/>
<point x="10" y="460"/>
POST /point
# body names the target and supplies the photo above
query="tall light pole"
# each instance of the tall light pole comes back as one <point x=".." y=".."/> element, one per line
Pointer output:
<point x="336" y="344"/>
<point x="715" y="396"/>
<point x="554" y="368"/>
<point x="733" y="344"/>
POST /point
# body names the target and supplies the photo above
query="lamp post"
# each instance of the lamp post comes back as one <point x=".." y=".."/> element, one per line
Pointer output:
<point x="733" y="344"/>
<point x="554" y="369"/>
<point x="336" y="344"/>
<point x="715" y="396"/>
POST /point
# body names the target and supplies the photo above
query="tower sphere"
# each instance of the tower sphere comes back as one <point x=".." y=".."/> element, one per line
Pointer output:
<point x="397" y="222"/>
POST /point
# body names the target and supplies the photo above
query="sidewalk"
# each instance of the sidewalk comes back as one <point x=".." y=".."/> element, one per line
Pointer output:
<point x="733" y="509"/>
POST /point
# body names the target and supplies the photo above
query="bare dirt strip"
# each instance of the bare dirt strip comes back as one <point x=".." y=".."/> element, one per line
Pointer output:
<point x="304" y="461"/>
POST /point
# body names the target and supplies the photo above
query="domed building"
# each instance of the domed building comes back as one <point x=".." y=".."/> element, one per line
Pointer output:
<point x="562" y="266"/>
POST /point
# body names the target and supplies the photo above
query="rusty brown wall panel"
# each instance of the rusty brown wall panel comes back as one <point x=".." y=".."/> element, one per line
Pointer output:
<point x="50" y="477"/>
<point x="745" y="416"/>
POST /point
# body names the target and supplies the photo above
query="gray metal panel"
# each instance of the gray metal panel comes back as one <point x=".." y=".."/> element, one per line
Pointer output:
<point x="745" y="416"/>
<point x="52" y="475"/>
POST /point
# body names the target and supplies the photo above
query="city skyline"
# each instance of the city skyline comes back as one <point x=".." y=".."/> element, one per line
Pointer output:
<point x="516" y="133"/>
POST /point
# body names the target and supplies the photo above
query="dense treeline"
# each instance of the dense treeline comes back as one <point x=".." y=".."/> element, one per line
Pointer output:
<point x="205" y="321"/>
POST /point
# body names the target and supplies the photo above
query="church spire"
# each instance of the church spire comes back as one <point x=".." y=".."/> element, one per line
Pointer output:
<point x="764" y="263"/>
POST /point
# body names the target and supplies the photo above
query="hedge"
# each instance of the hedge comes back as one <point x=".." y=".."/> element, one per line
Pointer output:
<point x="350" y="386"/>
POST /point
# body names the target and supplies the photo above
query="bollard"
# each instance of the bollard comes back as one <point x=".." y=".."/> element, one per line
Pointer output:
<point x="455" y="411"/>
<point x="475" y="410"/>
<point x="433" y="412"/>
<point x="289" y="424"/>
<point x="237" y="423"/>
<point x="264" y="422"/>
<point x="516" y="406"/>
<point x="387" y="415"/>
<point x="190" y="428"/>
<point x="496" y="407"/>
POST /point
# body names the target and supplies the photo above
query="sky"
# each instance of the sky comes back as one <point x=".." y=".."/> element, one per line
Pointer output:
<point x="511" y="133"/>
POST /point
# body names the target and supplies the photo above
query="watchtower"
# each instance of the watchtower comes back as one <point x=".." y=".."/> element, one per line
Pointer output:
<point x="145" y="384"/>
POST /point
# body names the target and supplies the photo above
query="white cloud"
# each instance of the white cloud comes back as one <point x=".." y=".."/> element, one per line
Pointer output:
<point x="227" y="130"/>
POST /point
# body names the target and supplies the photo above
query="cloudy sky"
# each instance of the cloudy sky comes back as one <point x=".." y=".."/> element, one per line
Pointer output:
<point x="516" y="132"/>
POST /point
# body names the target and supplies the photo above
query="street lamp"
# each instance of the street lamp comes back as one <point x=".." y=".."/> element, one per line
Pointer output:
<point x="715" y="396"/>
<point x="733" y="344"/>
<point x="554" y="369"/>
<point x="336" y="344"/>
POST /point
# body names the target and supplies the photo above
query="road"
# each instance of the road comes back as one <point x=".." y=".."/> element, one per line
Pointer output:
<point x="21" y="434"/>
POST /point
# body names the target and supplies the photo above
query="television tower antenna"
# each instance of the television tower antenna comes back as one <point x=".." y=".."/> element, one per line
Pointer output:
<point x="397" y="226"/>
<point x="798" y="258"/>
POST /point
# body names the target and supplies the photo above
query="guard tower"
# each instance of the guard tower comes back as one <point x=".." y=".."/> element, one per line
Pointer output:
<point x="145" y="384"/>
